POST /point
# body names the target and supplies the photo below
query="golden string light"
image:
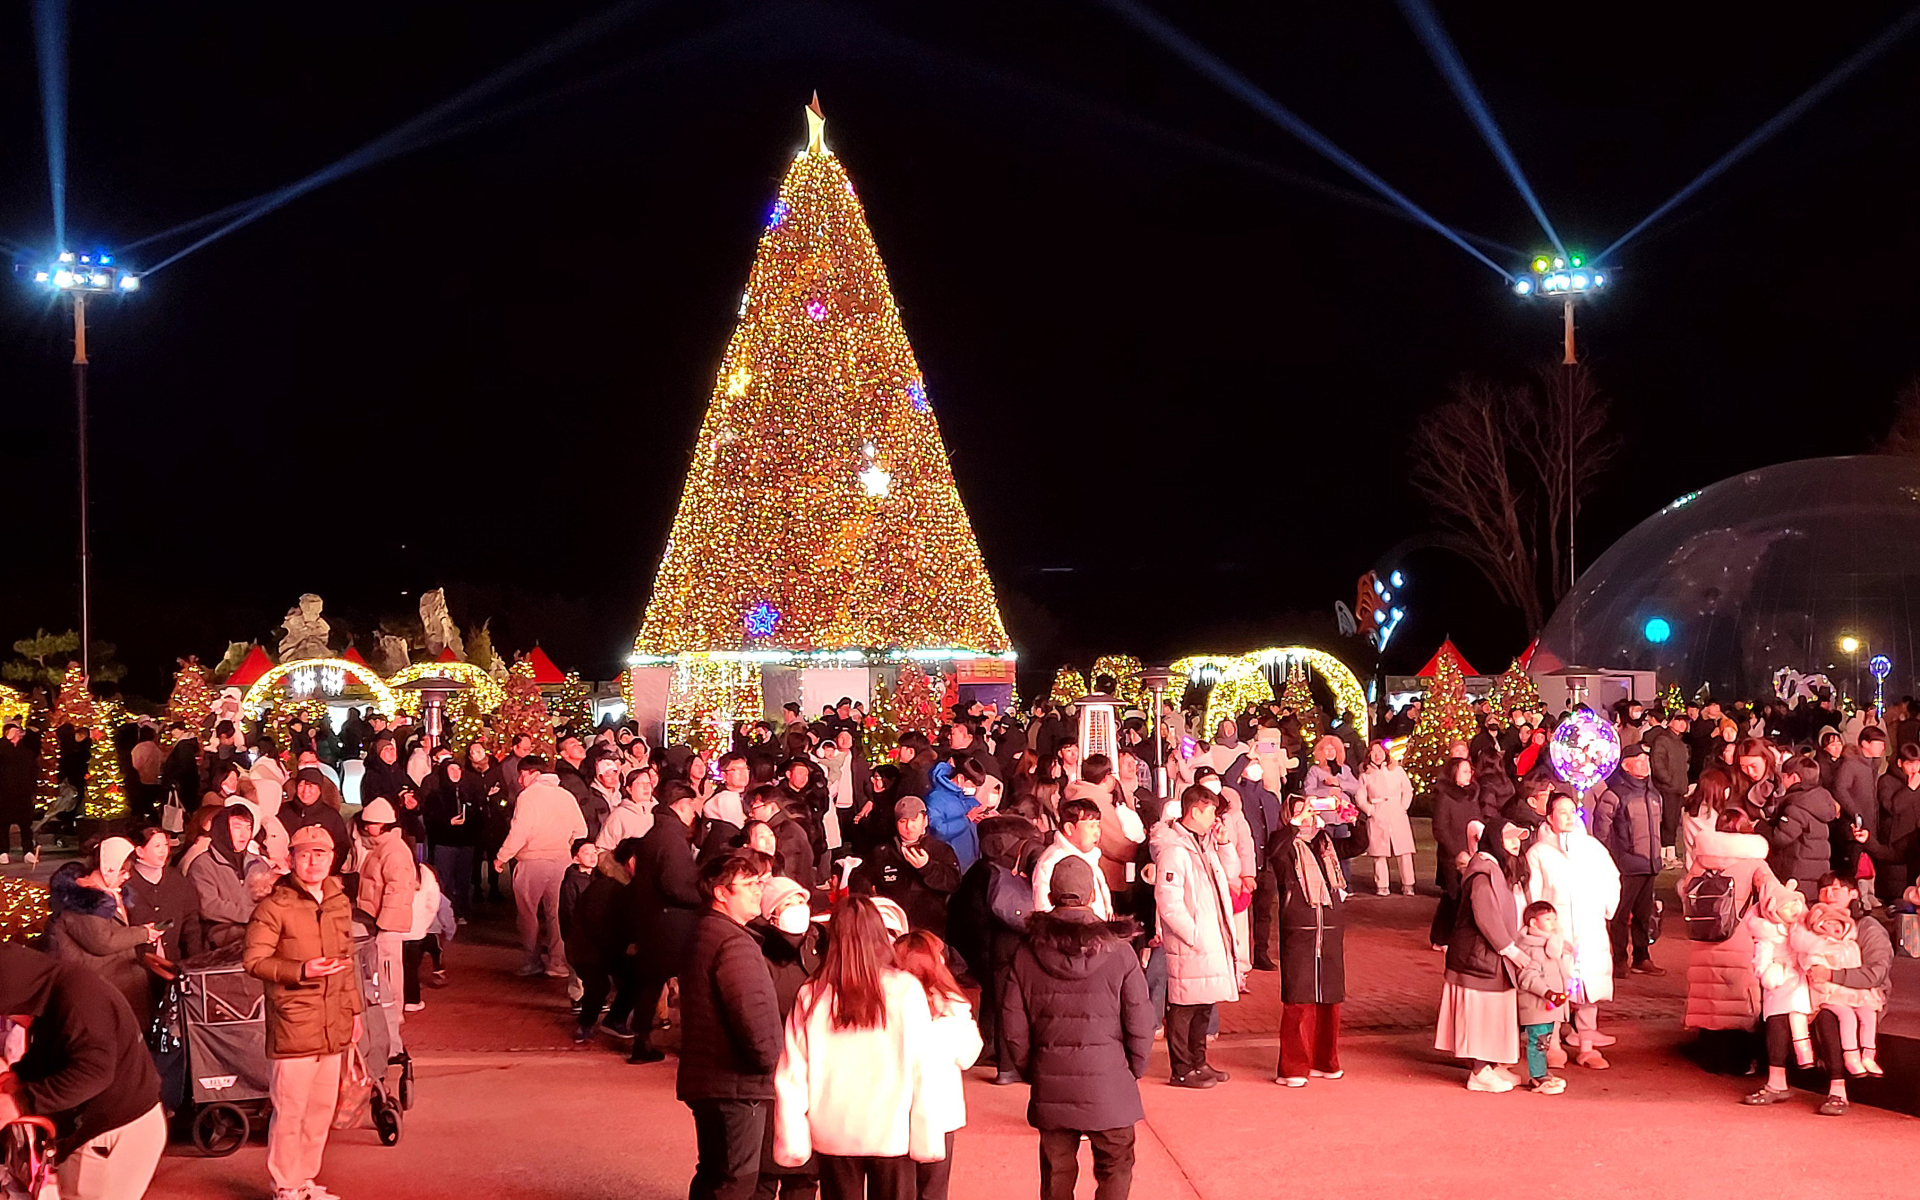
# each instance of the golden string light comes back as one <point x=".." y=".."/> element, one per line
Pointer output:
<point x="820" y="511"/>
<point x="487" y="695"/>
<point x="261" y="693"/>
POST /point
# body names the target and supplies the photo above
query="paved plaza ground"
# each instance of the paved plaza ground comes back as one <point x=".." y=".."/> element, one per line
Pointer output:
<point x="508" y="1106"/>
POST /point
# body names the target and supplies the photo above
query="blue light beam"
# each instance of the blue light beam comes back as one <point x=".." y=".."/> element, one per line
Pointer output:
<point x="401" y="136"/>
<point x="1785" y="117"/>
<point x="1446" y="57"/>
<point x="1202" y="60"/>
<point x="50" y="49"/>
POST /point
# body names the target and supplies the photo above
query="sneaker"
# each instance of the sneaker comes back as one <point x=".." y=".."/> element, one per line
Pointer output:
<point x="438" y="979"/>
<point x="1486" y="1079"/>
<point x="1005" y="1078"/>
<point x="1592" y="1060"/>
<point x="1407" y="891"/>
<point x="530" y="970"/>
<point x="1289" y="1081"/>
<point x="314" y="1191"/>
<point x="582" y="1034"/>
<point x="1648" y="968"/>
<point x="1832" y="1106"/>
<point x="1327" y="1074"/>
<point x="416" y="1006"/>
<point x="33" y="858"/>
<point x="1383" y="891"/>
<point x="646" y="1054"/>
<point x="1547" y="1085"/>
<point x="459" y="920"/>
<point x="618" y="1029"/>
<point x="1197" y="1078"/>
<point x="1767" y="1095"/>
<point x="573" y="1006"/>
<point x="560" y="973"/>
<point x="1219" y="1076"/>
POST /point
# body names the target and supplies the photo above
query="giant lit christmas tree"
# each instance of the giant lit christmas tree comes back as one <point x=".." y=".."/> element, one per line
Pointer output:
<point x="1513" y="689"/>
<point x="1446" y="717"/>
<point x="73" y="707"/>
<point x="820" y="513"/>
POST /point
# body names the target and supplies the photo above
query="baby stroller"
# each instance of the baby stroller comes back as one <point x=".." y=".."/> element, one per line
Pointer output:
<point x="386" y="1101"/>
<point x="223" y="1021"/>
<point x="26" y="1158"/>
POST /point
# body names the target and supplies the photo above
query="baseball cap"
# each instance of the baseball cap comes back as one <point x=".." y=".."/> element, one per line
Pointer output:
<point x="311" y="835"/>
<point x="1072" y="883"/>
<point x="1636" y="750"/>
<point x="909" y="806"/>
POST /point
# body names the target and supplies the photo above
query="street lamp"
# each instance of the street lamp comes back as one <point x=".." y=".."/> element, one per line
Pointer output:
<point x="1850" y="646"/>
<point x="1157" y="679"/>
<point x="1566" y="278"/>
<point x="80" y="277"/>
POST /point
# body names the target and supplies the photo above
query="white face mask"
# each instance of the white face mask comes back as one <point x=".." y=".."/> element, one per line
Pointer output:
<point x="794" y="919"/>
<point x="967" y="791"/>
<point x="1212" y="784"/>
<point x="1254" y="773"/>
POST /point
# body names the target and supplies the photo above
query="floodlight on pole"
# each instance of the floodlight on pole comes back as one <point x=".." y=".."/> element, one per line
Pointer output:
<point x="1567" y="277"/>
<point x="81" y="277"/>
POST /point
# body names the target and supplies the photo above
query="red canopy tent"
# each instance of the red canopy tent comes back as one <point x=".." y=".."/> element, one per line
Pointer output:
<point x="1453" y="654"/>
<point x="251" y="668"/>
<point x="545" y="674"/>
<point x="353" y="656"/>
<point x="447" y="655"/>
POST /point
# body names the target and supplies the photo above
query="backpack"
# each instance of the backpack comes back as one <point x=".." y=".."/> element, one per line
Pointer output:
<point x="1708" y="903"/>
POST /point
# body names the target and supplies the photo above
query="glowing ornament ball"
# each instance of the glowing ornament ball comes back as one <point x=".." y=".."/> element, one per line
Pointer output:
<point x="1584" y="749"/>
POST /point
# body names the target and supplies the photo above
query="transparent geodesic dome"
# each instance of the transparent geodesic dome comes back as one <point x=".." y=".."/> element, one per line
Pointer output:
<point x="1771" y="569"/>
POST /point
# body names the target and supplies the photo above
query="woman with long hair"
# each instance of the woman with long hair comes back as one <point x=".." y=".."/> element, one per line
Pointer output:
<point x="956" y="1043"/>
<point x="1456" y="804"/>
<point x="851" y="1085"/>
<point x="1712" y="792"/>
<point x="1479" y="1008"/>
<point x="1313" y="975"/>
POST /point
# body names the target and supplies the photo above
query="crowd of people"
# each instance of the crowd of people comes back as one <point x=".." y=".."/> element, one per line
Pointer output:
<point x="839" y="939"/>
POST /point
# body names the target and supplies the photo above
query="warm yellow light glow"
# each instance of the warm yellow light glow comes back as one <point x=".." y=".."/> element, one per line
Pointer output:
<point x="791" y="534"/>
<point x="487" y="696"/>
<point x="259" y="695"/>
<point x="1849" y="644"/>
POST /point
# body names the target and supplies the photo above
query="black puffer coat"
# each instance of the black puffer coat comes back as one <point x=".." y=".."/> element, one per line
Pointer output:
<point x="1453" y="807"/>
<point x="666" y="898"/>
<point x="1798" y="834"/>
<point x="1076" y="1021"/>
<point x="730" y="1029"/>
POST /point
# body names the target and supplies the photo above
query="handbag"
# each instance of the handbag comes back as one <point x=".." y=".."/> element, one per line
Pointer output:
<point x="1908" y="941"/>
<point x="173" y="815"/>
<point x="356" y="1092"/>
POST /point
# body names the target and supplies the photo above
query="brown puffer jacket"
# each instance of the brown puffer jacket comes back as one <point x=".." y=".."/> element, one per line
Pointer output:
<point x="1722" y="991"/>
<point x="388" y="879"/>
<point x="305" y="1017"/>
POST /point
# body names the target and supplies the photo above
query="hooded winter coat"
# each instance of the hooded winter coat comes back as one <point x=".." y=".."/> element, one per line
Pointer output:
<point x="1077" y="1021"/>
<point x="1549" y="969"/>
<point x="857" y="1093"/>
<point x="87" y="931"/>
<point x="1801" y="847"/>
<point x="1575" y="874"/>
<point x="1896" y="844"/>
<point x="86" y="1066"/>
<point x="921" y="892"/>
<point x="219" y="879"/>
<point x="1722" y="992"/>
<point x="1193" y="905"/>
<point x="947" y="809"/>
<point x="305" y="1017"/>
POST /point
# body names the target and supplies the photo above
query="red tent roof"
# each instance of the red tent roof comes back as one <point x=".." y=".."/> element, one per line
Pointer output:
<point x="1526" y="656"/>
<point x="447" y="655"/>
<point x="544" y="672"/>
<point x="251" y="668"/>
<point x="1452" y="652"/>
<point x="353" y="656"/>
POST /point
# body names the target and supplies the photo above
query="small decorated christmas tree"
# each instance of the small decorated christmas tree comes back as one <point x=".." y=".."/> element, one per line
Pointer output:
<point x="106" y="783"/>
<point x="192" y="699"/>
<point x="914" y="702"/>
<point x="1513" y="689"/>
<point x="572" y="706"/>
<point x="525" y="711"/>
<point x="1446" y="717"/>
<point x="73" y="707"/>
<point x="1069" y="686"/>
<point x="1297" y="695"/>
<point x="1241" y="684"/>
<point x="1671" y="700"/>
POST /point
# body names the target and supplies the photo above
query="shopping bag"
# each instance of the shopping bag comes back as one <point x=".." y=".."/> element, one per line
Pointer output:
<point x="1908" y="942"/>
<point x="356" y="1092"/>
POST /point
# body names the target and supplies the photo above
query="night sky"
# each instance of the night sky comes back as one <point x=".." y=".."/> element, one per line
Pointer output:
<point x="1176" y="380"/>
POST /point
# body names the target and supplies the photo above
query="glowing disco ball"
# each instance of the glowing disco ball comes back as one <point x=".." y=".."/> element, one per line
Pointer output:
<point x="1584" y="749"/>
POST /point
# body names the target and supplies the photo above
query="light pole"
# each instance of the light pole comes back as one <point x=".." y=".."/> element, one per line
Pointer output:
<point x="1565" y="278"/>
<point x="1157" y="679"/>
<point x="1851" y="645"/>
<point x="79" y="277"/>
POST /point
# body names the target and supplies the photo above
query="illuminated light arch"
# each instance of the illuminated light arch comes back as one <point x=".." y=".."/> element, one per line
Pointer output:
<point x="488" y="695"/>
<point x="255" y="701"/>
<point x="1239" y="679"/>
<point x="14" y="706"/>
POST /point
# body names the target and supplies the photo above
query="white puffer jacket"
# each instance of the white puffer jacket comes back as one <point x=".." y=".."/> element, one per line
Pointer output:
<point x="1195" y="911"/>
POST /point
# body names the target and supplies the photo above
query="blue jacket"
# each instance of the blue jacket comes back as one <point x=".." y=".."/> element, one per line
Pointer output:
<point x="947" y="809"/>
